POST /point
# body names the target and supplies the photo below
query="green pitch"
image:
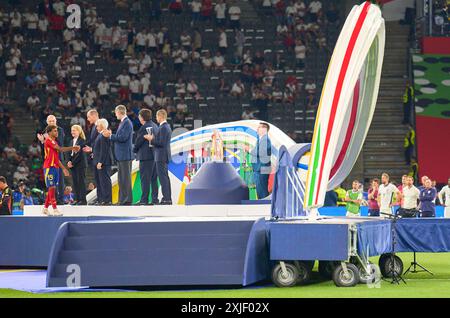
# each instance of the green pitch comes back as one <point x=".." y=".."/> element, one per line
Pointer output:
<point x="418" y="285"/>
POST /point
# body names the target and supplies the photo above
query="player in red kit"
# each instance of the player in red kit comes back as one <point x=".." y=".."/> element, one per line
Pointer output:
<point x="51" y="167"/>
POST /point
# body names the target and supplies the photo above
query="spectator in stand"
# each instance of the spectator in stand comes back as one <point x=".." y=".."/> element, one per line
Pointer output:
<point x="219" y="61"/>
<point x="78" y="120"/>
<point x="234" y="13"/>
<point x="186" y="41"/>
<point x="182" y="106"/>
<point x="103" y="89"/>
<point x="280" y="11"/>
<point x="10" y="153"/>
<point x="207" y="61"/>
<point x="33" y="103"/>
<point x="34" y="151"/>
<point x="43" y="28"/>
<point x="206" y="10"/>
<point x="11" y="77"/>
<point x="220" y="9"/>
<point x="300" y="54"/>
<point x="178" y="62"/>
<point x="180" y="87"/>
<point x="192" y="89"/>
<point x="247" y="115"/>
<point x="135" y="88"/>
<point x="224" y="88"/>
<point x="176" y="7"/>
<point x="196" y="6"/>
<point x="239" y="42"/>
<point x="238" y="89"/>
<point x="427" y="196"/>
<point x="31" y="18"/>
<point x="277" y="95"/>
<point x="22" y="172"/>
<point x="149" y="99"/>
<point x="223" y="43"/>
<point x="310" y="87"/>
<point x="313" y="9"/>
<point x="374" y="209"/>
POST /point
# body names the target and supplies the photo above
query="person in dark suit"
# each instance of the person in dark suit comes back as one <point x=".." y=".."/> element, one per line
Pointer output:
<point x="92" y="117"/>
<point x="144" y="153"/>
<point x="261" y="160"/>
<point x="123" y="151"/>
<point x="161" y="141"/>
<point x="102" y="161"/>
<point x="51" y="121"/>
<point x="77" y="164"/>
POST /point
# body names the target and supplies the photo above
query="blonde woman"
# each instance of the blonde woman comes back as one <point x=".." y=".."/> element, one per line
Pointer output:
<point x="77" y="164"/>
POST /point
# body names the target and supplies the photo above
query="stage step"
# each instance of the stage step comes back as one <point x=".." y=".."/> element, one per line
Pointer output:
<point x="149" y="253"/>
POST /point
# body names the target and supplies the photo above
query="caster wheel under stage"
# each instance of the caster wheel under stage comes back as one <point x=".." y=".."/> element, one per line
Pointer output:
<point x="296" y="273"/>
<point x="346" y="277"/>
<point x="390" y="264"/>
<point x="373" y="277"/>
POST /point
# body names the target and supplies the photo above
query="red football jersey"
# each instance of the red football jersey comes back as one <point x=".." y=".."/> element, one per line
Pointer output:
<point x="51" y="154"/>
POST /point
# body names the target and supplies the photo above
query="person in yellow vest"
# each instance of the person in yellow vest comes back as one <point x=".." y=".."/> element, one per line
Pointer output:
<point x="409" y="143"/>
<point x="414" y="170"/>
<point x="408" y="101"/>
<point x="341" y="193"/>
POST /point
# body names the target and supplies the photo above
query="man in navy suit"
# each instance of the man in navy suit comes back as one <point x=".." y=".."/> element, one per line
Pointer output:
<point x="123" y="151"/>
<point x="144" y="153"/>
<point x="261" y="160"/>
<point x="102" y="161"/>
<point x="161" y="143"/>
<point x="92" y="117"/>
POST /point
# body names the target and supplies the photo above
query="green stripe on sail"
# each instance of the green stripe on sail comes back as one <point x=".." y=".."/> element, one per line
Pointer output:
<point x="314" y="168"/>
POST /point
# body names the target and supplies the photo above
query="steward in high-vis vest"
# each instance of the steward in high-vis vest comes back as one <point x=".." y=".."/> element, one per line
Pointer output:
<point x="408" y="100"/>
<point x="341" y="193"/>
<point x="409" y="143"/>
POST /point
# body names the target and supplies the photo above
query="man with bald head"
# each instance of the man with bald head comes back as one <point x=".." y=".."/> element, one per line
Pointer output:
<point x="41" y="136"/>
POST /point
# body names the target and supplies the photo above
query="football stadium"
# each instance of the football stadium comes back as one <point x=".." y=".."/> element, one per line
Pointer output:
<point x="224" y="149"/>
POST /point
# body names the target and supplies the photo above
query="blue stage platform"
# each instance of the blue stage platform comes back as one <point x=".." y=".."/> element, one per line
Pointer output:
<point x="199" y="250"/>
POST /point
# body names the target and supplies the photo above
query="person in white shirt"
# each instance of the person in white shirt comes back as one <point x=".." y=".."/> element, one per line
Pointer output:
<point x="185" y="40"/>
<point x="300" y="53"/>
<point x="386" y="192"/>
<point x="220" y="10"/>
<point x="135" y="88"/>
<point x="410" y="197"/>
<point x="223" y="42"/>
<point x="124" y="78"/>
<point x="196" y="6"/>
<point x="140" y="41"/>
<point x="43" y="27"/>
<point x="11" y="76"/>
<point x="192" y="88"/>
<point x="133" y="66"/>
<point x="237" y="89"/>
<point x="89" y="97"/>
<point x="235" y="16"/>
<point x="151" y="41"/>
<point x="15" y="20"/>
<point x="444" y="197"/>
<point x="103" y="89"/>
<point x="145" y="84"/>
<point x="78" y="46"/>
<point x="32" y="23"/>
<point x="33" y="101"/>
<point x="219" y="61"/>
<point x="78" y="120"/>
<point x="68" y="35"/>
<point x="314" y="8"/>
<point x="149" y="99"/>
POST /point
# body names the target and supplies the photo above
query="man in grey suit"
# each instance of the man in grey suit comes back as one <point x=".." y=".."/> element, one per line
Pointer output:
<point x="161" y="142"/>
<point x="123" y="151"/>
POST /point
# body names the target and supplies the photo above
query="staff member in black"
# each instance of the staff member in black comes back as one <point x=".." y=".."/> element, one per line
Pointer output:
<point x="77" y="164"/>
<point x="5" y="203"/>
<point x="92" y="117"/>
<point x="161" y="141"/>
<point x="102" y="161"/>
<point x="145" y="156"/>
